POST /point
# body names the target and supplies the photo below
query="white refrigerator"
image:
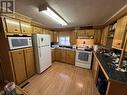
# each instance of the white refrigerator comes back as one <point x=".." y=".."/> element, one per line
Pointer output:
<point x="42" y="50"/>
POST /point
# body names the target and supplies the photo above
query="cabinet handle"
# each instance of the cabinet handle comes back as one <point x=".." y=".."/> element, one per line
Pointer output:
<point x="16" y="30"/>
<point x="118" y="43"/>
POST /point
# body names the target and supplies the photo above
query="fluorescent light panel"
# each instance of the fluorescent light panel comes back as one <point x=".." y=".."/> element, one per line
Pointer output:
<point x="54" y="16"/>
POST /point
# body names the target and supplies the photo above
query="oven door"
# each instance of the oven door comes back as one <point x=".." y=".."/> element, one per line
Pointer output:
<point x="83" y="57"/>
<point x="19" y="42"/>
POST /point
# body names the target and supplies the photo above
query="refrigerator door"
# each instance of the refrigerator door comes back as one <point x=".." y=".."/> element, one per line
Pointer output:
<point x="44" y="58"/>
<point x="43" y="40"/>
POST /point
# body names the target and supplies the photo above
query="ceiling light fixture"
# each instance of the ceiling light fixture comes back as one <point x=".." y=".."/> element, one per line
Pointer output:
<point x="49" y="12"/>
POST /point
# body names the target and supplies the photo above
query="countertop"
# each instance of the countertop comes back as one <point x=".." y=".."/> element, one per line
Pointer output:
<point x="72" y="49"/>
<point x="64" y="48"/>
<point x="113" y="74"/>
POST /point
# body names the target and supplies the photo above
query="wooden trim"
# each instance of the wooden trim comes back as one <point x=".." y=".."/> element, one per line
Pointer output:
<point x="107" y="77"/>
<point x="117" y="15"/>
<point x="122" y="53"/>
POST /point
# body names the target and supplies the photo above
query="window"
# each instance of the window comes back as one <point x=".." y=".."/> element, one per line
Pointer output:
<point x="64" y="40"/>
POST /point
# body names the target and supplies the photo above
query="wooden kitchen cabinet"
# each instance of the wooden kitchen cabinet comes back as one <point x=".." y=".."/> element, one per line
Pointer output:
<point x="81" y="33"/>
<point x="70" y="57"/>
<point x="95" y="69"/>
<point x="97" y="36"/>
<point x="73" y="37"/>
<point x="36" y="30"/>
<point x="104" y="35"/>
<point x="119" y="33"/>
<point x="12" y="25"/>
<point x="63" y="55"/>
<point x="55" y="37"/>
<point x="26" y="28"/>
<point x="58" y="54"/>
<point x="18" y="62"/>
<point x="90" y="32"/>
<point x="29" y="62"/>
<point x="53" y="55"/>
<point x="66" y="56"/>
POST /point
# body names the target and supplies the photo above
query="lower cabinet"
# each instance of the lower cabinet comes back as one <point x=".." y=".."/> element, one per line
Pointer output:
<point x="18" y="65"/>
<point x="53" y="55"/>
<point x="23" y="64"/>
<point x="29" y="60"/>
<point x="95" y="69"/>
<point x="63" y="55"/>
<point x="70" y="57"/>
<point x="57" y="54"/>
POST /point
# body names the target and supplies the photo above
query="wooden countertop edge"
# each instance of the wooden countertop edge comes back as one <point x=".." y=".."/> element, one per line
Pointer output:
<point x="106" y="75"/>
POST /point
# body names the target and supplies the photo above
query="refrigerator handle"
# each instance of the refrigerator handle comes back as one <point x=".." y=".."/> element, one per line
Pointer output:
<point x="40" y="51"/>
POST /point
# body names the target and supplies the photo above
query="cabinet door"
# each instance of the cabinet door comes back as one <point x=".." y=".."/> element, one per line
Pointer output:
<point x="70" y="57"/>
<point x="95" y="68"/>
<point x="53" y="55"/>
<point x="119" y="33"/>
<point x="55" y="36"/>
<point x="57" y="54"/>
<point x="29" y="60"/>
<point x="73" y="38"/>
<point x="26" y="28"/>
<point x="97" y="36"/>
<point x="63" y="55"/>
<point x="12" y="26"/>
<point x="81" y="33"/>
<point x="36" y="30"/>
<point x="90" y="32"/>
<point x="104" y="35"/>
<point x="19" y="65"/>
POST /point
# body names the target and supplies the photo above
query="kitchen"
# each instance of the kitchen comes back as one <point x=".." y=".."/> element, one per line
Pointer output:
<point x="75" y="54"/>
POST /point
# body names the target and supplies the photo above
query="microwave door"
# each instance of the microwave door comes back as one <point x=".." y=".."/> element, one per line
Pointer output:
<point x="19" y="42"/>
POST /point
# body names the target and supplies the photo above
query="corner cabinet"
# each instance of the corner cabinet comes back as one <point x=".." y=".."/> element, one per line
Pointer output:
<point x="29" y="62"/>
<point x="119" y="33"/>
<point x="18" y="62"/>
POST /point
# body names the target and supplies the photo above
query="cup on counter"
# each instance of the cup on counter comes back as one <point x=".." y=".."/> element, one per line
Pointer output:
<point x="10" y="89"/>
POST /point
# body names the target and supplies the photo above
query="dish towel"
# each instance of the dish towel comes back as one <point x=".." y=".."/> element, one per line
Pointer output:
<point x="83" y="56"/>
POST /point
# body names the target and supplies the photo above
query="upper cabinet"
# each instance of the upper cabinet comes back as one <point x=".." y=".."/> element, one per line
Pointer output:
<point x="119" y="33"/>
<point x="55" y="36"/>
<point x="73" y="38"/>
<point x="26" y="28"/>
<point x="104" y="35"/>
<point x="80" y="33"/>
<point x="90" y="32"/>
<point x="97" y="36"/>
<point x="36" y="29"/>
<point x="12" y="25"/>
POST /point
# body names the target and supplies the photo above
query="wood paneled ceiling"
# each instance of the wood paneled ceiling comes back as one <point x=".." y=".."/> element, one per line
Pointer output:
<point x="76" y="12"/>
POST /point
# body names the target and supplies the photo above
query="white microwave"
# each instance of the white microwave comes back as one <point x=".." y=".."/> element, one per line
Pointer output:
<point x="19" y="42"/>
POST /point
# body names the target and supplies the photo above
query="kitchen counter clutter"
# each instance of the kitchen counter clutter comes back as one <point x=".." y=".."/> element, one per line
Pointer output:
<point x="106" y="77"/>
<point x="112" y="74"/>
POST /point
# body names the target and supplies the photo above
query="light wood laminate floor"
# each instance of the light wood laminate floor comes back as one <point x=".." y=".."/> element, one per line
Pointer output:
<point x="62" y="79"/>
